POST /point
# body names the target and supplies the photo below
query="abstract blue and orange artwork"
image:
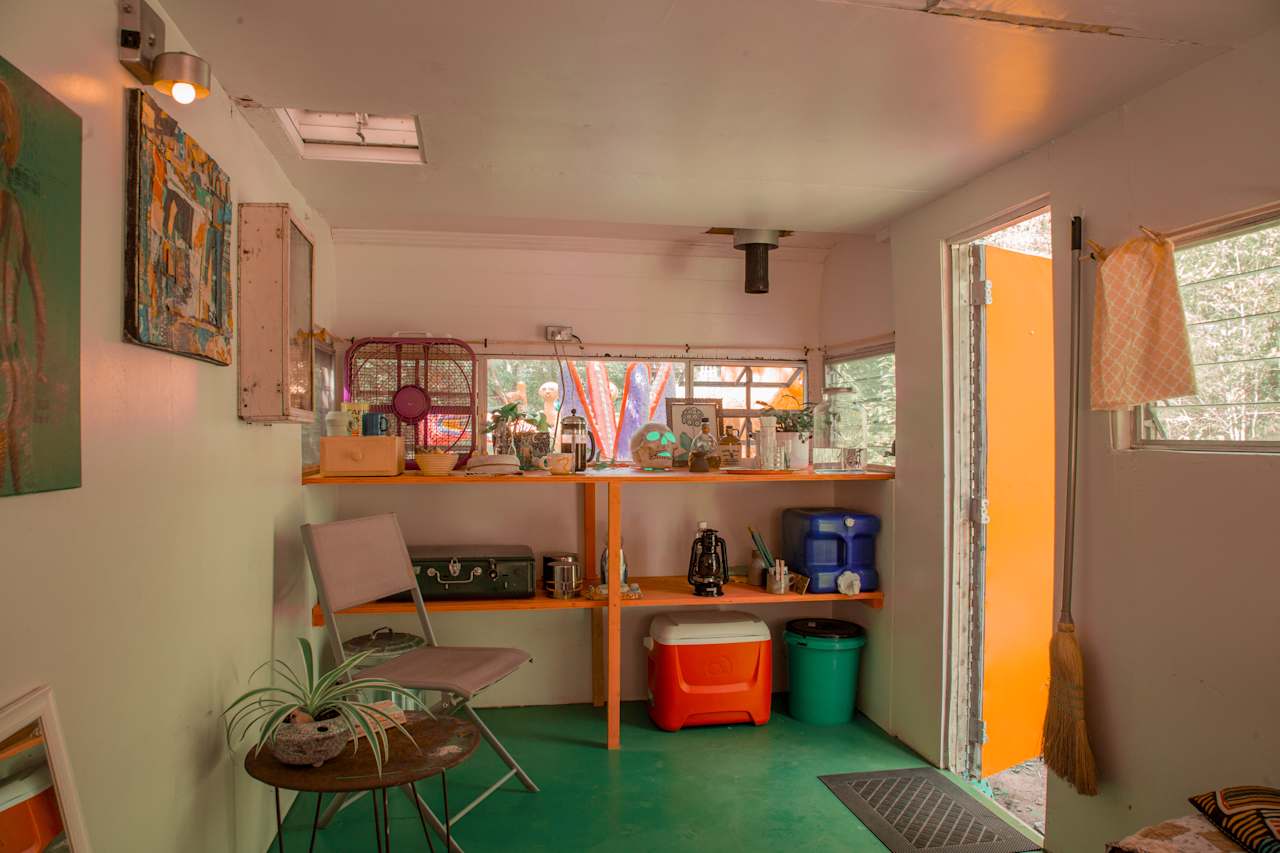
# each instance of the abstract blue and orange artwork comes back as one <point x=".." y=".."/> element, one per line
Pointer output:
<point x="178" y="247"/>
<point x="40" y="146"/>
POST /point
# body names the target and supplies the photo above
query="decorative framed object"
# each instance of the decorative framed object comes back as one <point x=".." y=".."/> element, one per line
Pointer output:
<point x="177" y="255"/>
<point x="684" y="416"/>
<point x="42" y="811"/>
<point x="277" y="334"/>
<point x="39" y="289"/>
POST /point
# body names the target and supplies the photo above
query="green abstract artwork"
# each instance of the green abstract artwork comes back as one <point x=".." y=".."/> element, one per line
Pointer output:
<point x="39" y="288"/>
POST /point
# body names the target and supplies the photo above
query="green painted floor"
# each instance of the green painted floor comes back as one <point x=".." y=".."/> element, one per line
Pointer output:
<point x="721" y="788"/>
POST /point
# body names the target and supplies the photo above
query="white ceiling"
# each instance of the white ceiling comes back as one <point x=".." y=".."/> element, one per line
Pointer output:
<point x="818" y="115"/>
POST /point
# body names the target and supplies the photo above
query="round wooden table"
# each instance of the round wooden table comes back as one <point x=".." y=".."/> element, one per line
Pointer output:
<point x="436" y="746"/>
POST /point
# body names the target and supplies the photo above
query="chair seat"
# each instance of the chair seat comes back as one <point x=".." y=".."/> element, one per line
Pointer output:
<point x="465" y="670"/>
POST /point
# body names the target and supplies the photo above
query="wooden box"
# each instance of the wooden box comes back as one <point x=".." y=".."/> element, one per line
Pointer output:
<point x="276" y="342"/>
<point x="361" y="456"/>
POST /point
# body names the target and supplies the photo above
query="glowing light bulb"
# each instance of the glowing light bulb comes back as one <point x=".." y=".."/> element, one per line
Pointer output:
<point x="183" y="93"/>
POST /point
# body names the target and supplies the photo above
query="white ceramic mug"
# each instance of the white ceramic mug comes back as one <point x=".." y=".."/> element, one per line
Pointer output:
<point x="556" y="463"/>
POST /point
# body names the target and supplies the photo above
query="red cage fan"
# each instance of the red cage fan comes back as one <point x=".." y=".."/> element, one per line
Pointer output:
<point x="425" y="387"/>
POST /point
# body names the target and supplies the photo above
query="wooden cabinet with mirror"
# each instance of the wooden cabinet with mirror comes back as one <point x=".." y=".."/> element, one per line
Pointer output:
<point x="276" y="345"/>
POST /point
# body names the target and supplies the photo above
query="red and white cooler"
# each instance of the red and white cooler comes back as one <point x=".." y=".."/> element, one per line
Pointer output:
<point x="708" y="668"/>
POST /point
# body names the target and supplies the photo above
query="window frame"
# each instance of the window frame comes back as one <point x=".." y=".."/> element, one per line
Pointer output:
<point x="1205" y="232"/>
<point x="884" y="347"/>
<point x="603" y="352"/>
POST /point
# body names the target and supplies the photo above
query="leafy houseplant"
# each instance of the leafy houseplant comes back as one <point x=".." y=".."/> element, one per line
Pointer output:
<point x="795" y="428"/>
<point x="793" y="420"/>
<point x="327" y="709"/>
<point x="502" y="423"/>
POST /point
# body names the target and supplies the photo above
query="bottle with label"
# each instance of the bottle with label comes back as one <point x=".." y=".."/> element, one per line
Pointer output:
<point x="704" y="454"/>
<point x="730" y="448"/>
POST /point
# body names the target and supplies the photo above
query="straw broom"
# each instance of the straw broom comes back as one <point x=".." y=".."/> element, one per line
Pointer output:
<point x="1066" y="738"/>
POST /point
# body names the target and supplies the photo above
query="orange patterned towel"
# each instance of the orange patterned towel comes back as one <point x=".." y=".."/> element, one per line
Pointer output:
<point x="1140" y="349"/>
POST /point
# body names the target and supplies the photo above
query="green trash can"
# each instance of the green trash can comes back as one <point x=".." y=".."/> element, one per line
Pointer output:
<point x="822" y="655"/>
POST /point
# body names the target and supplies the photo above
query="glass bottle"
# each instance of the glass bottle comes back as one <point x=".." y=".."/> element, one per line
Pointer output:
<point x="730" y="448"/>
<point x="704" y="453"/>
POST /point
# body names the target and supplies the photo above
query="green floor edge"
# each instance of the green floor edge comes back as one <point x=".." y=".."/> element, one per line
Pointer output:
<point x="718" y="788"/>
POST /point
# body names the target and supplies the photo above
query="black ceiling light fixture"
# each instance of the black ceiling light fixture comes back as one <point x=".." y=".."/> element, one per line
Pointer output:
<point x="757" y="243"/>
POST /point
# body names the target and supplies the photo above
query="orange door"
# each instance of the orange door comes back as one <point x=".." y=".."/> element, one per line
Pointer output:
<point x="1020" y="481"/>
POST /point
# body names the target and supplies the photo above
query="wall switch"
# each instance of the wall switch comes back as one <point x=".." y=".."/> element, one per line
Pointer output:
<point x="559" y="333"/>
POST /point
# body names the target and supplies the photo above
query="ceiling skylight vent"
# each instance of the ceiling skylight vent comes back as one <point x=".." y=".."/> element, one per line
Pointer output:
<point x="357" y="137"/>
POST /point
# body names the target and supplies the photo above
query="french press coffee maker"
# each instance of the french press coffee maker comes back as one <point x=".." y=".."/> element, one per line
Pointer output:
<point x="575" y="437"/>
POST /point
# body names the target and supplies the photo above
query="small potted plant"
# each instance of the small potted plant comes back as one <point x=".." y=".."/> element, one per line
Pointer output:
<point x="309" y="720"/>
<point x="795" y="431"/>
<point x="528" y="436"/>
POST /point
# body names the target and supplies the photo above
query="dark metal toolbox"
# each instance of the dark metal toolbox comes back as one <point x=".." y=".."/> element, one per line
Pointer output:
<point x="472" y="571"/>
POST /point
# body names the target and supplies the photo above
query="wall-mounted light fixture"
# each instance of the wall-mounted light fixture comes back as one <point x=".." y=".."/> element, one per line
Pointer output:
<point x="182" y="76"/>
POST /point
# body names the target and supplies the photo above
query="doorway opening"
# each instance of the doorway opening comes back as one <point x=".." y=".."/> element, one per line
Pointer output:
<point x="1003" y="508"/>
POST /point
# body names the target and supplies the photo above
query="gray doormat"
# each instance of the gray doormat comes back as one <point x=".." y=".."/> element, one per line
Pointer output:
<point x="921" y="809"/>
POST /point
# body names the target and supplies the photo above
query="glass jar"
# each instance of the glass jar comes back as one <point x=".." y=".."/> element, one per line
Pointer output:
<point x="846" y="428"/>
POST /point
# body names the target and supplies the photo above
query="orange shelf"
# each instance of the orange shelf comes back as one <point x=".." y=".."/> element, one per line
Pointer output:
<point x="659" y="591"/>
<point x="674" y="591"/>
<point x="608" y="475"/>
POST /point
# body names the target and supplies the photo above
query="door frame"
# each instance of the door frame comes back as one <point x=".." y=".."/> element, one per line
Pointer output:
<point x="966" y="295"/>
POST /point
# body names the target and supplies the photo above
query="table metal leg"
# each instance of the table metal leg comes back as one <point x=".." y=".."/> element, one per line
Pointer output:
<point x="377" y="829"/>
<point x="279" y="823"/>
<point x="448" y="827"/>
<point x="386" y="820"/>
<point x="423" y="818"/>
<point x="315" y="824"/>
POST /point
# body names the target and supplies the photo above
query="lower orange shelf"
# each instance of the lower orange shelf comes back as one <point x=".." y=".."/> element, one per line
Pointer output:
<point x="659" y="591"/>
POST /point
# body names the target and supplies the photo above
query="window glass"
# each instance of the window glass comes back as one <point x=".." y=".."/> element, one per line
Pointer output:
<point x="616" y="397"/>
<point x="1231" y="296"/>
<point x="872" y="380"/>
<point x="325" y="382"/>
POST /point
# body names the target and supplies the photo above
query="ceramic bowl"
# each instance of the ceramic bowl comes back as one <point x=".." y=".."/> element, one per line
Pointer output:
<point x="436" y="464"/>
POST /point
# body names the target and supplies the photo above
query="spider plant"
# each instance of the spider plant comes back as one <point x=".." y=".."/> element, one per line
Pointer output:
<point x="331" y="695"/>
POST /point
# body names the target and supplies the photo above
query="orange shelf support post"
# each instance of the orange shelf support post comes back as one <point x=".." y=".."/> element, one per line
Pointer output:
<point x="589" y="576"/>
<point x="614" y="616"/>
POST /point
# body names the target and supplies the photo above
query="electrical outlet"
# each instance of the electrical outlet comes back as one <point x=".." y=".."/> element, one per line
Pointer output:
<point x="559" y="333"/>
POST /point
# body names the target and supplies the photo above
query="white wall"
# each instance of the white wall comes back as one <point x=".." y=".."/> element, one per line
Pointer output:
<point x="857" y="293"/>
<point x="147" y="596"/>
<point x="1176" y="581"/>
<point x="507" y="287"/>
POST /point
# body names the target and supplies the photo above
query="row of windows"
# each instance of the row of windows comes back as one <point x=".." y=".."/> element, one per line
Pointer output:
<point x="627" y="394"/>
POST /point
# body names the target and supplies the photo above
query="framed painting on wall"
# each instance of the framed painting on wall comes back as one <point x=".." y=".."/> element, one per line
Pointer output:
<point x="178" y="243"/>
<point x="39" y="288"/>
<point x="684" y="416"/>
<point x="37" y="794"/>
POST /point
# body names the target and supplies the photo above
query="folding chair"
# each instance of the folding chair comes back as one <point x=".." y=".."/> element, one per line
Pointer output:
<point x="364" y="559"/>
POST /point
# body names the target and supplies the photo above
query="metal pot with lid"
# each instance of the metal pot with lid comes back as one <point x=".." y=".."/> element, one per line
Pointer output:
<point x="383" y="644"/>
<point x="575" y="437"/>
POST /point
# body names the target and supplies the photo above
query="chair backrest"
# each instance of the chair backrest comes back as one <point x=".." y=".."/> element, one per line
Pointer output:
<point x="358" y="560"/>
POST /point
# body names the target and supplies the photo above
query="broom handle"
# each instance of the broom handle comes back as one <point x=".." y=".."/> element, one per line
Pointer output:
<point x="1073" y="424"/>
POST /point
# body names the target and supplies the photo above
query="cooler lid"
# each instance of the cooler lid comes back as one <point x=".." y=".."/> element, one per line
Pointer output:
<point x="703" y="627"/>
<point x="834" y="629"/>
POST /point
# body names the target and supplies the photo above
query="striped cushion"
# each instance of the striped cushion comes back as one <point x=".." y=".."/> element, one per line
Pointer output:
<point x="1249" y="815"/>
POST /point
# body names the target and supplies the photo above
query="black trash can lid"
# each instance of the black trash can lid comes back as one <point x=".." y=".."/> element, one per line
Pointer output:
<point x="835" y="629"/>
